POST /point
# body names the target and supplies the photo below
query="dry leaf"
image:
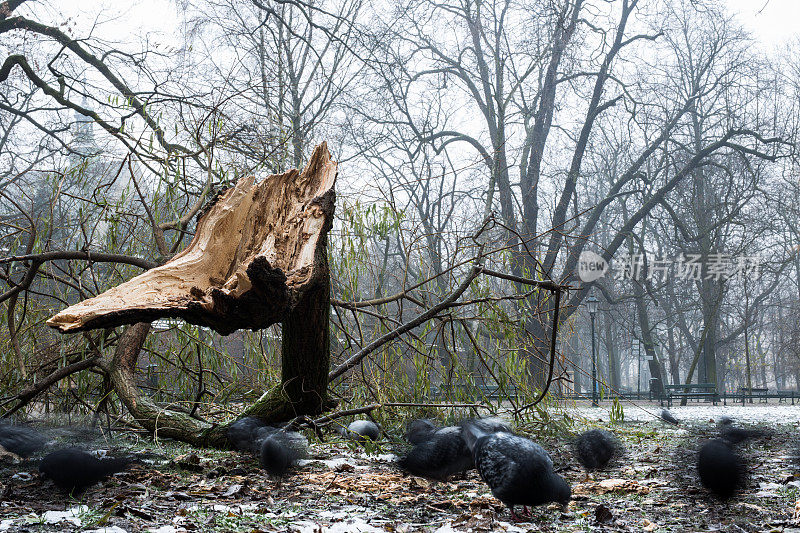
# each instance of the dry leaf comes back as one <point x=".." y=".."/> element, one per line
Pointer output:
<point x="647" y="525"/>
<point x="603" y="514"/>
<point x="611" y="485"/>
<point x="233" y="489"/>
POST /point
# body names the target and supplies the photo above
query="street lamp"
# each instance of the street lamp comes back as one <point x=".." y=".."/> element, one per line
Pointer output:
<point x="591" y="305"/>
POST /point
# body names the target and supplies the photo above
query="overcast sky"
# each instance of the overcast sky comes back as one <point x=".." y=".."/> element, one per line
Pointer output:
<point x="773" y="22"/>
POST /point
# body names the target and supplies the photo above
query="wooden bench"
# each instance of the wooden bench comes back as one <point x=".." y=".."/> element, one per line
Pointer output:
<point x="753" y="392"/>
<point x="692" y="390"/>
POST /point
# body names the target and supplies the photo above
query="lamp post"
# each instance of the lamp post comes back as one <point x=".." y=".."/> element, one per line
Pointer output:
<point x="591" y="305"/>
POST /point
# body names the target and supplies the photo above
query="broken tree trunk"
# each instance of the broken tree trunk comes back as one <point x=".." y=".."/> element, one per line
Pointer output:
<point x="258" y="257"/>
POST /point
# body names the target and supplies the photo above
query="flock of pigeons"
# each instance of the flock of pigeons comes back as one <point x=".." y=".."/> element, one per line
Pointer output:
<point x="72" y="469"/>
<point x="518" y="471"/>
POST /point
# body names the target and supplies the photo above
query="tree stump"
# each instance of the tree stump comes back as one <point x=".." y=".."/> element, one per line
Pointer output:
<point x="258" y="257"/>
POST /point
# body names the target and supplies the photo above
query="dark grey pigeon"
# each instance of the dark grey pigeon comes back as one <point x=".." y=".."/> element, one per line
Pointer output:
<point x="445" y="453"/>
<point x="259" y="435"/>
<point x="666" y="416"/>
<point x="596" y="448"/>
<point x="721" y="470"/>
<point x="241" y="433"/>
<point x="795" y="454"/>
<point x="736" y="435"/>
<point x="74" y="470"/>
<point x="420" y="430"/>
<point x="517" y="470"/>
<point x="20" y="440"/>
<point x="281" y="450"/>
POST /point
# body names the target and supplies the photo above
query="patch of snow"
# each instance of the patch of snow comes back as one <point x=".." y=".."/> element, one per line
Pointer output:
<point x="508" y="526"/>
<point x="499" y="526"/>
<point x="766" y="494"/>
<point x="386" y="457"/>
<point x="703" y="413"/>
<point x="336" y="462"/>
<point x="112" y="529"/>
<point x="345" y="512"/>
<point x="6" y="524"/>
<point x="356" y="525"/>
<point x="218" y="507"/>
<point x="333" y="515"/>
<point x="165" y="529"/>
<point x="70" y="515"/>
<point x="22" y="476"/>
<point x="767" y="490"/>
<point x="351" y="526"/>
<point x="222" y="508"/>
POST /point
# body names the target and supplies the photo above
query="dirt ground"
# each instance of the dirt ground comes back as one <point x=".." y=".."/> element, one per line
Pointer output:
<point x="345" y="487"/>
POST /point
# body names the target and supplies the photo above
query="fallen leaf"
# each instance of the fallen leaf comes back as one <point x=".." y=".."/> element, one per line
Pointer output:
<point x="233" y="489"/>
<point x="611" y="485"/>
<point x="603" y="514"/>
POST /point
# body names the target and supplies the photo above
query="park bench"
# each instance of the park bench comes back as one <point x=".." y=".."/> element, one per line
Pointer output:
<point x="692" y="390"/>
<point x="754" y="392"/>
<point x="764" y="395"/>
<point x="489" y="392"/>
<point x="784" y="395"/>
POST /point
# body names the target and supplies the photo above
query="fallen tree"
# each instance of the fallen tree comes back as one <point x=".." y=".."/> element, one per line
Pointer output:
<point x="258" y="257"/>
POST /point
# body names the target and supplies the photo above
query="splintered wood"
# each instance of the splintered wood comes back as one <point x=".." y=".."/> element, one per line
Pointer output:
<point x="255" y="252"/>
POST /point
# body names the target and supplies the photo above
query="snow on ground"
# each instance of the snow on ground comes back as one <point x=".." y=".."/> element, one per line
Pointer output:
<point x="699" y="412"/>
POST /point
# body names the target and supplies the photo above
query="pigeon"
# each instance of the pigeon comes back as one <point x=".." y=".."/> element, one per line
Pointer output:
<point x="517" y="470"/>
<point x="595" y="448"/>
<point x="721" y="470"/>
<point x="259" y="435"/>
<point x="443" y="452"/>
<point x="361" y="430"/>
<point x="736" y="435"/>
<point x="74" y="470"/>
<point x="241" y="433"/>
<point x="795" y="454"/>
<point x="280" y="450"/>
<point x="420" y="430"/>
<point x="20" y="440"/>
<point x="666" y="416"/>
